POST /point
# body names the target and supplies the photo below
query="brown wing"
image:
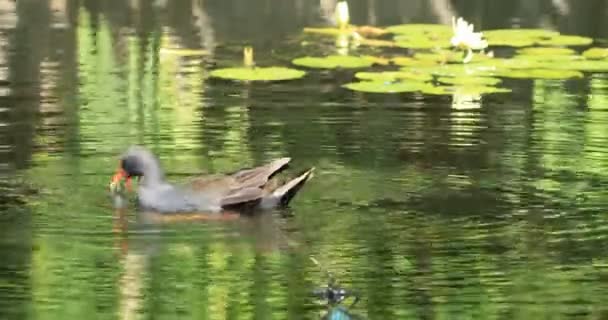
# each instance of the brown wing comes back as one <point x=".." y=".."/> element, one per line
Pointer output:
<point x="242" y="196"/>
<point x="243" y="186"/>
<point x="258" y="177"/>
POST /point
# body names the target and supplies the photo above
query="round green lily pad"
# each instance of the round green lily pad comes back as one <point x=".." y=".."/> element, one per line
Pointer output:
<point x="442" y="56"/>
<point x="517" y="37"/>
<point x="386" y="86"/>
<point x="540" y="74"/>
<point x="488" y="81"/>
<point x="258" y="74"/>
<point x="547" y="58"/>
<point x="596" y="53"/>
<point x="519" y="33"/>
<point x="421" y="42"/>
<point x="511" y="42"/>
<point x="501" y="63"/>
<point x="465" y="90"/>
<point x="566" y="40"/>
<point x="460" y="70"/>
<point x="334" y="61"/>
<point x="581" y="65"/>
<point x="411" y="62"/>
<point x="432" y="29"/>
<point x="546" y="51"/>
<point x="447" y="56"/>
<point x="376" y="42"/>
<point x="394" y="75"/>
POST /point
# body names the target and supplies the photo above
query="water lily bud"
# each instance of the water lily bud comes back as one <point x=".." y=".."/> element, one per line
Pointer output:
<point x="342" y="14"/>
<point x="248" y="57"/>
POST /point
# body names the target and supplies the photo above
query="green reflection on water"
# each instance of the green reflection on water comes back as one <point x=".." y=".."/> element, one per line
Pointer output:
<point x="429" y="209"/>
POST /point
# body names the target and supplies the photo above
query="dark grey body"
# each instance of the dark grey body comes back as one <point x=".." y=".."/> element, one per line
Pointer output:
<point x="244" y="189"/>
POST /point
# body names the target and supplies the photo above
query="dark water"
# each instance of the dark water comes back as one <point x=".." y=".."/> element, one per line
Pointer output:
<point x="427" y="208"/>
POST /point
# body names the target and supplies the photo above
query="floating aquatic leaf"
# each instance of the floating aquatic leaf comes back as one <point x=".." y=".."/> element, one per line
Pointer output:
<point x="488" y="81"/>
<point x="429" y="29"/>
<point x="394" y="75"/>
<point x="447" y="56"/>
<point x="386" y="86"/>
<point x="547" y="51"/>
<point x="377" y="60"/>
<point x="464" y="89"/>
<point x="439" y="90"/>
<point x="546" y="58"/>
<point x="581" y="65"/>
<point x="475" y="90"/>
<point x="596" y="53"/>
<point x="511" y="42"/>
<point x="258" y="74"/>
<point x="520" y="33"/>
<point x="376" y="43"/>
<point x="421" y="42"/>
<point x="443" y="56"/>
<point x="540" y="74"/>
<point x="566" y="40"/>
<point x="517" y="37"/>
<point x="334" y="61"/>
<point x="370" y="31"/>
<point x="459" y="70"/>
<point x="411" y="62"/>
<point x="500" y="63"/>
<point x="364" y="31"/>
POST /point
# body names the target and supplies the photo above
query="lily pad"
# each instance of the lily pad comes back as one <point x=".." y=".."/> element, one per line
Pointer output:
<point x="547" y="51"/>
<point x="566" y="40"/>
<point x="386" y="86"/>
<point x="460" y="70"/>
<point x="488" y="81"/>
<point x="333" y="62"/>
<point x="546" y="58"/>
<point x="517" y="37"/>
<point x="582" y="65"/>
<point x="429" y="29"/>
<point x="394" y="75"/>
<point x="443" y="56"/>
<point x="519" y="33"/>
<point x="540" y="74"/>
<point x="596" y="53"/>
<point x="466" y="90"/>
<point x="378" y="60"/>
<point x="370" y="31"/>
<point x="411" y="62"/>
<point x="364" y="31"/>
<point x="258" y="74"/>
<point x="511" y="42"/>
<point x="500" y="64"/>
<point x="421" y="42"/>
<point x="376" y="43"/>
<point x="447" y="56"/>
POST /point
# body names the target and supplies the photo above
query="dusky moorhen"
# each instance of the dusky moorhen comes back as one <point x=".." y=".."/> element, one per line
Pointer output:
<point x="242" y="190"/>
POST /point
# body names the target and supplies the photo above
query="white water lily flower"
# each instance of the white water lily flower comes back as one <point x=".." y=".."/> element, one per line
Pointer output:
<point x="342" y="14"/>
<point x="465" y="38"/>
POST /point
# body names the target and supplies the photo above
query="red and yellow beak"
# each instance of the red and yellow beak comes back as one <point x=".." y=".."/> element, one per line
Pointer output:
<point x="117" y="178"/>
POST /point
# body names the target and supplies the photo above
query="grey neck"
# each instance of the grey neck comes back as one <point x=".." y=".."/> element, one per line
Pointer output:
<point x="153" y="174"/>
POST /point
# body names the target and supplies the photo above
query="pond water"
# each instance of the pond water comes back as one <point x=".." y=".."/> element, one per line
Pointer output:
<point x="425" y="209"/>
